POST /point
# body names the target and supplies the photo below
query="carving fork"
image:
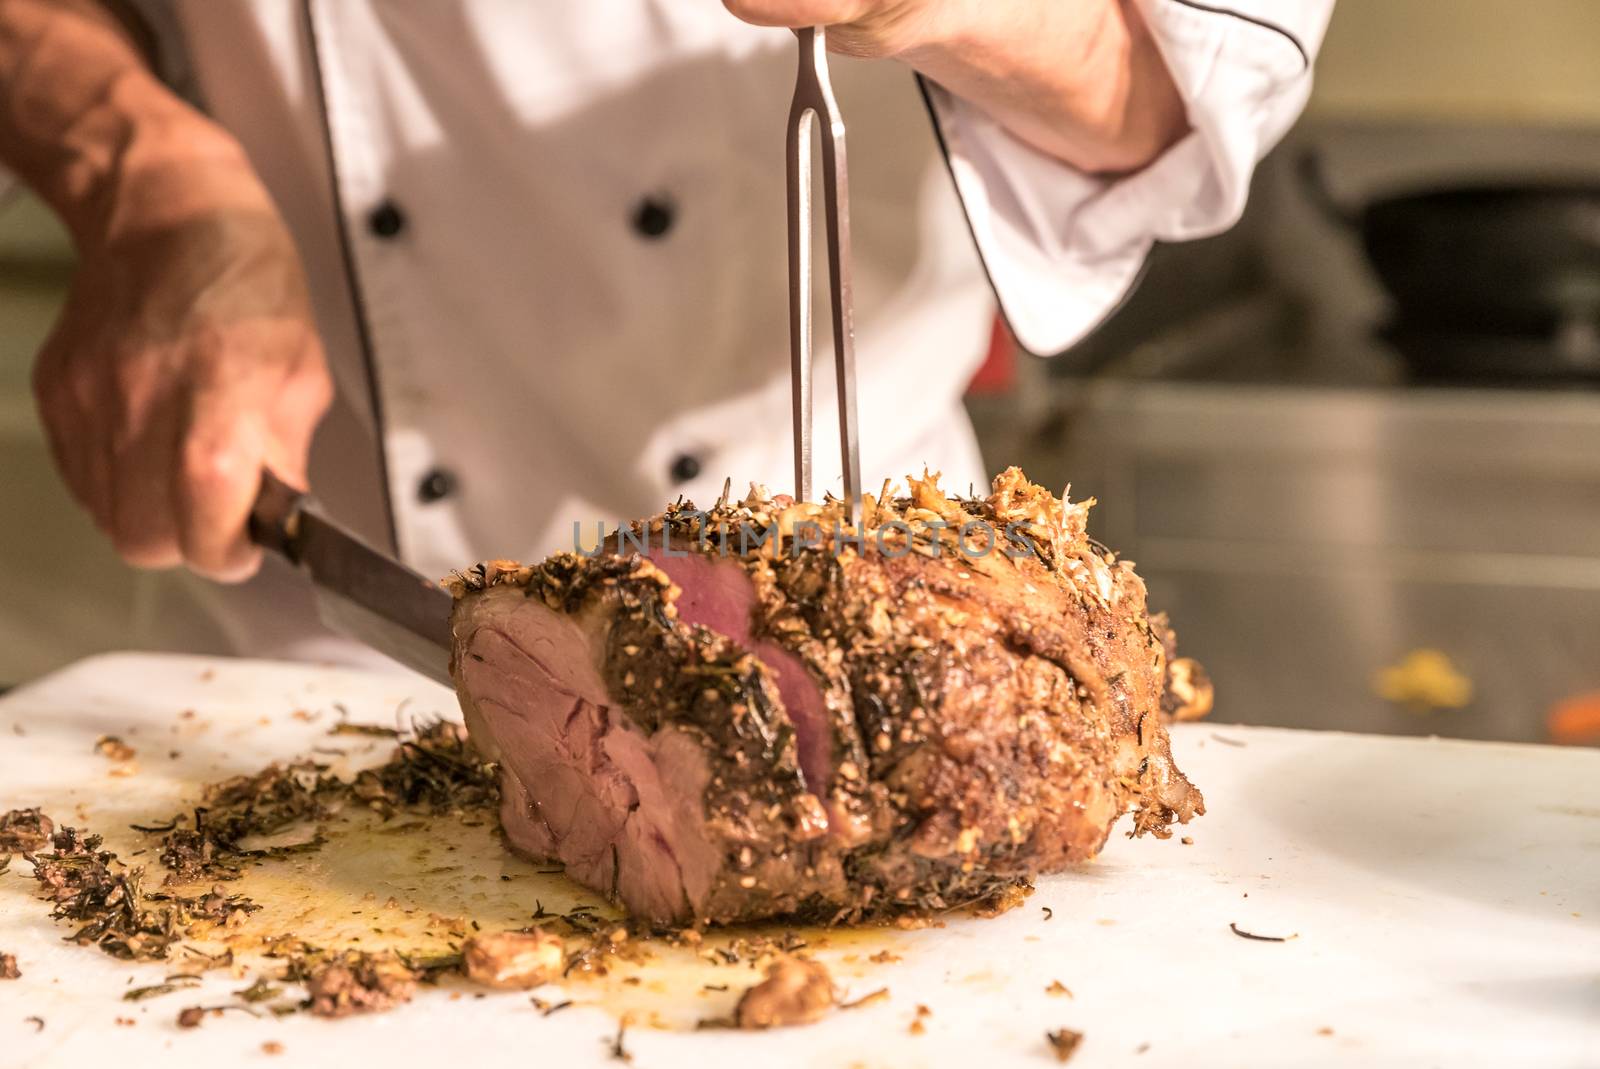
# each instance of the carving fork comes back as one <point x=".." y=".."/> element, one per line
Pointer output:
<point x="813" y="102"/>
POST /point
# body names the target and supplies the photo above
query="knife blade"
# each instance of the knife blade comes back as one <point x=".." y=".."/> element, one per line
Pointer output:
<point x="360" y="591"/>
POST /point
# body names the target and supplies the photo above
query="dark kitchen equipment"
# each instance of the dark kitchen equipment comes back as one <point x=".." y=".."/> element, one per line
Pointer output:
<point x="1515" y="261"/>
<point x="1483" y="358"/>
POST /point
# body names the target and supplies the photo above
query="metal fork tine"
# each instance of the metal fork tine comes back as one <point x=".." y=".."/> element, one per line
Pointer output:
<point x="813" y="101"/>
<point x="799" y="168"/>
<point x="836" y="207"/>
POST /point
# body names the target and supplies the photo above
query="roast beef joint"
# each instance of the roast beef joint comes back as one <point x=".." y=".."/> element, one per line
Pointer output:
<point x="761" y="711"/>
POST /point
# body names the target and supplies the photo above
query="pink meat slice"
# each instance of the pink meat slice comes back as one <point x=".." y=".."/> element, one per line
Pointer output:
<point x="622" y="810"/>
<point x="718" y="595"/>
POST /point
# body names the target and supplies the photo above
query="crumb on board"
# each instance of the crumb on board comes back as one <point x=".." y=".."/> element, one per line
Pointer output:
<point x="513" y="960"/>
<point x="114" y="748"/>
<point x="23" y="830"/>
<point x="359" y="982"/>
<point x="1063" y="1042"/>
<point x="796" y="991"/>
<point x="880" y="995"/>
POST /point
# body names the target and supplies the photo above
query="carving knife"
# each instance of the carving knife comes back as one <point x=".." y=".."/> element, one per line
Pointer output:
<point x="360" y="592"/>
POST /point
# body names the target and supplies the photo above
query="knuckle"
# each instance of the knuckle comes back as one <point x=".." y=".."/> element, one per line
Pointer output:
<point x="125" y="435"/>
<point x="144" y="550"/>
<point x="212" y="464"/>
<point x="133" y="387"/>
<point x="124" y="444"/>
<point x="227" y="565"/>
<point x="323" y="385"/>
<point x="309" y="394"/>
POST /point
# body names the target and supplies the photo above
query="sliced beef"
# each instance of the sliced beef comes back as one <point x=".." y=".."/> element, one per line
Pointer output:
<point x="762" y="711"/>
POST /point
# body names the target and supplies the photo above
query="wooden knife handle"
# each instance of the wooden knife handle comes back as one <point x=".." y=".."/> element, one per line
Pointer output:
<point x="275" y="518"/>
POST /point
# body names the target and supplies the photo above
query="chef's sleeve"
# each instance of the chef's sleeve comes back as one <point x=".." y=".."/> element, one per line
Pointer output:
<point x="1063" y="248"/>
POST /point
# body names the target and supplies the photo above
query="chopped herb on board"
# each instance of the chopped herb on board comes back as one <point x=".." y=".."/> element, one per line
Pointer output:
<point x="1242" y="934"/>
<point x="138" y="994"/>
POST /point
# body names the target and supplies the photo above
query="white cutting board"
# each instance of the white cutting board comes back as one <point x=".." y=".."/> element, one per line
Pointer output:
<point x="1445" y="895"/>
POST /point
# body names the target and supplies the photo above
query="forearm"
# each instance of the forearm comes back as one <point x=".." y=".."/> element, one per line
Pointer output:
<point x="1082" y="80"/>
<point x="85" y="123"/>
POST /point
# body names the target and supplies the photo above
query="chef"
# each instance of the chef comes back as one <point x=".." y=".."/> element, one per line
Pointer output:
<point x="478" y="270"/>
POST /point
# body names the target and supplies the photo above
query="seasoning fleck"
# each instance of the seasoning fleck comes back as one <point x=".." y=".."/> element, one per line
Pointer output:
<point x="618" y="1051"/>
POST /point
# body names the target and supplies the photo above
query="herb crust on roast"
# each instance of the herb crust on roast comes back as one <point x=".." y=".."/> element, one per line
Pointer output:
<point x="762" y="710"/>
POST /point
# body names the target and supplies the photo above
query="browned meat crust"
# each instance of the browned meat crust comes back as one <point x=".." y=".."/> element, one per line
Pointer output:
<point x="873" y="724"/>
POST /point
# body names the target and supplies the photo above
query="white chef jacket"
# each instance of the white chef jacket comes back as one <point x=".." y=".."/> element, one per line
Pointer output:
<point x="546" y="244"/>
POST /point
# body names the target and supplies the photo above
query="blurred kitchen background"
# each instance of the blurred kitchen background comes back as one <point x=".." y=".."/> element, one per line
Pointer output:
<point x="1359" y="516"/>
